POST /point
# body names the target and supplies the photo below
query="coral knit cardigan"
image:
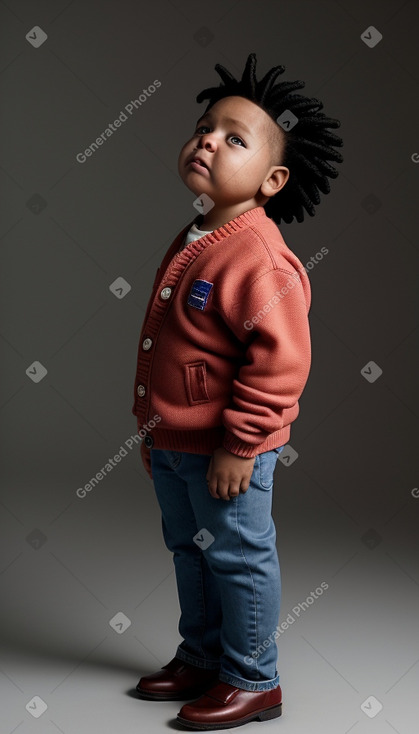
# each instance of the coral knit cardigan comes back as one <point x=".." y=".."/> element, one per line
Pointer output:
<point x="224" y="351"/>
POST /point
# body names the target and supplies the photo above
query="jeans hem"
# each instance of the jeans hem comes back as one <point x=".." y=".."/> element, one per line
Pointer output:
<point x="198" y="662"/>
<point x="247" y="685"/>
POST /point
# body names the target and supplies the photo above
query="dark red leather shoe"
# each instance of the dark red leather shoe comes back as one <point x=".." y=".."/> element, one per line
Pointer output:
<point x="224" y="706"/>
<point x="176" y="681"/>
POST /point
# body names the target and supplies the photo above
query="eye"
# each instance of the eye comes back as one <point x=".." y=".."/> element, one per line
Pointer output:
<point x="237" y="138"/>
<point x="202" y="127"/>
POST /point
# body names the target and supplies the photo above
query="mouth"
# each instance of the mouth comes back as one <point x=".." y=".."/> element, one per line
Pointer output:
<point x="198" y="163"/>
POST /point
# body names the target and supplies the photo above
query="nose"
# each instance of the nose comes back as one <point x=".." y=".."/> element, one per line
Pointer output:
<point x="207" y="141"/>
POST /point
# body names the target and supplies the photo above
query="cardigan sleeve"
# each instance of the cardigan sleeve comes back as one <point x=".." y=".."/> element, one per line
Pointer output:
<point x="272" y="320"/>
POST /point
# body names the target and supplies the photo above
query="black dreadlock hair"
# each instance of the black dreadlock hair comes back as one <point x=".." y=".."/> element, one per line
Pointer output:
<point x="307" y="145"/>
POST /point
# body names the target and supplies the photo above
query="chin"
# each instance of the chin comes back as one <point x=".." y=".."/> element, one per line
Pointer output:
<point x="196" y="189"/>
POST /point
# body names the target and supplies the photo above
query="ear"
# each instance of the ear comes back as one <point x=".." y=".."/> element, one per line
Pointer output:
<point x="275" y="179"/>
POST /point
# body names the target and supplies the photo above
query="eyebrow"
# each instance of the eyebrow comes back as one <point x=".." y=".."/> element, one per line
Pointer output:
<point x="238" y="123"/>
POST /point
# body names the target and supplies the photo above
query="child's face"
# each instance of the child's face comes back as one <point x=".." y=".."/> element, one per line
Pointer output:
<point x="239" y="161"/>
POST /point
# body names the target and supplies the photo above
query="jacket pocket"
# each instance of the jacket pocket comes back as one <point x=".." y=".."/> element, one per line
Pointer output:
<point x="196" y="383"/>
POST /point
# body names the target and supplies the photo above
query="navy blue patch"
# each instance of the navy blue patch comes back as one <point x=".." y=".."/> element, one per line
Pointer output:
<point x="199" y="294"/>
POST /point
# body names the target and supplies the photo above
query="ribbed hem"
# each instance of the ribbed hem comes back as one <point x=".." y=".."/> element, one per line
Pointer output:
<point x="205" y="442"/>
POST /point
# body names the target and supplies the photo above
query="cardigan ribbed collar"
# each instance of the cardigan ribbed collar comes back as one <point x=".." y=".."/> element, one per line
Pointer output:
<point x="251" y="216"/>
<point x="176" y="260"/>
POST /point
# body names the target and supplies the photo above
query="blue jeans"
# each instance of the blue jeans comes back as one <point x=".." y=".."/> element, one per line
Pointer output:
<point x="227" y="568"/>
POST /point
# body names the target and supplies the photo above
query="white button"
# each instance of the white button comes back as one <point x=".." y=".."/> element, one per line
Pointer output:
<point x="166" y="292"/>
<point x="141" y="391"/>
<point x="147" y="343"/>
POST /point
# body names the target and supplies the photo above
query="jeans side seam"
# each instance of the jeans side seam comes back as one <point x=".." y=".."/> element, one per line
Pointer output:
<point x="253" y="583"/>
<point x="201" y="578"/>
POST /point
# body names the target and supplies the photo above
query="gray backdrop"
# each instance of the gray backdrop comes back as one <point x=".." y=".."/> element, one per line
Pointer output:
<point x="89" y="600"/>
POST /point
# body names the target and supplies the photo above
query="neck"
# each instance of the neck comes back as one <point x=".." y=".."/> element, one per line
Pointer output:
<point x="216" y="217"/>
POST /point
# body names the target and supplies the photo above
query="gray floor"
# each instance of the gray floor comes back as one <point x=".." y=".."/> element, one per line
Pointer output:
<point x="356" y="640"/>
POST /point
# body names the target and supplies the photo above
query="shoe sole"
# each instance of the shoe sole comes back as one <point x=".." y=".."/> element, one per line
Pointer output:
<point x="271" y="713"/>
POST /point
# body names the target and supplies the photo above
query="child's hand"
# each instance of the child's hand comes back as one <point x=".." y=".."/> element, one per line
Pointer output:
<point x="228" y="475"/>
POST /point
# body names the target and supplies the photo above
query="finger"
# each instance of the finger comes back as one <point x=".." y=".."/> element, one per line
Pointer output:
<point x="234" y="488"/>
<point x="223" y="489"/>
<point x="222" y="495"/>
<point x="212" y="487"/>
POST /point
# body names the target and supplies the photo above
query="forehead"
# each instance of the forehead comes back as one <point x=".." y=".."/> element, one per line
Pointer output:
<point x="243" y="110"/>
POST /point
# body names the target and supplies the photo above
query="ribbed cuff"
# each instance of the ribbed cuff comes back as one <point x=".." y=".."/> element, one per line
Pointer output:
<point x="250" y="450"/>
